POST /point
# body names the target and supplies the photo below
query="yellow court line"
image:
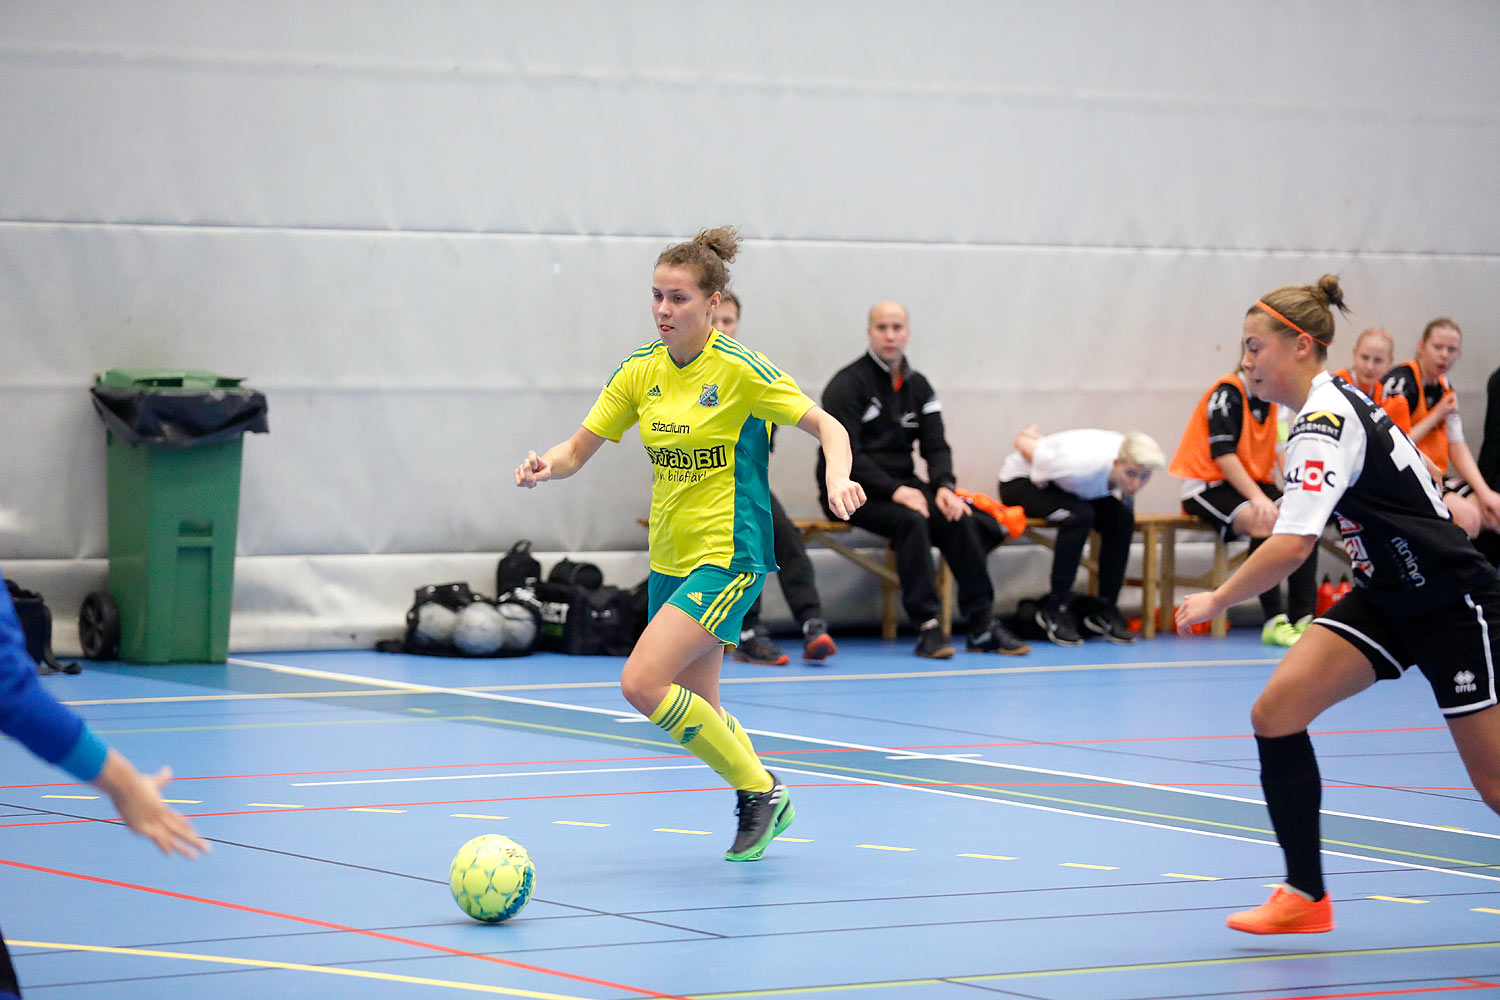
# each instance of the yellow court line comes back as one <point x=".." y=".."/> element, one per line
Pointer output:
<point x="261" y="963"/>
<point x="1398" y="899"/>
<point x="988" y="857"/>
<point x="1197" y="878"/>
<point x="475" y="816"/>
<point x="1087" y="970"/>
<point x="882" y="847"/>
<point x="696" y="833"/>
<point x="793" y="840"/>
<point x="70" y="796"/>
<point x="576" y="822"/>
<point x="1097" y="868"/>
<point x="373" y="809"/>
<point x="274" y="805"/>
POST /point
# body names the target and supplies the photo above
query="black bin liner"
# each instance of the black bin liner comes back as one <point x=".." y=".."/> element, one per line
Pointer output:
<point x="180" y="418"/>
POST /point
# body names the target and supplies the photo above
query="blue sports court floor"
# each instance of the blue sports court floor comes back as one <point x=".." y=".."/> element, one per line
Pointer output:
<point x="1073" y="824"/>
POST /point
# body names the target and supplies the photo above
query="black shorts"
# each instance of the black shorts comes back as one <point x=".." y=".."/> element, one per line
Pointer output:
<point x="1454" y="645"/>
<point x="1217" y="505"/>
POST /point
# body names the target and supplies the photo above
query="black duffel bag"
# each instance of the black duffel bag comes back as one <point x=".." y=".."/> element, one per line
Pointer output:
<point x="582" y="621"/>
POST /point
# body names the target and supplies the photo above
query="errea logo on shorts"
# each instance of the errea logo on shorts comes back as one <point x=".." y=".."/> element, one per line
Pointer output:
<point x="1463" y="682"/>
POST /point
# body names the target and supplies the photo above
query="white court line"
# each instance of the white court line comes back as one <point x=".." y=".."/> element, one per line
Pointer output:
<point x="616" y="713"/>
<point x="1135" y="822"/>
<point x="506" y="774"/>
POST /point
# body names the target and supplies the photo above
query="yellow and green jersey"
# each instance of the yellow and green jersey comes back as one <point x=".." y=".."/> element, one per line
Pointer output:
<point x="706" y="429"/>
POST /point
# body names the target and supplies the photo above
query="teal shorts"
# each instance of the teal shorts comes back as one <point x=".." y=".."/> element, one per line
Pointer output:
<point x="715" y="598"/>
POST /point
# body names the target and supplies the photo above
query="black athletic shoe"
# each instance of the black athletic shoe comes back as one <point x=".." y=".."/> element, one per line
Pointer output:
<point x="762" y="815"/>
<point x="996" y="638"/>
<point x="1059" y="626"/>
<point x="817" y="644"/>
<point x="758" y="648"/>
<point x="1109" y="623"/>
<point x="932" y="644"/>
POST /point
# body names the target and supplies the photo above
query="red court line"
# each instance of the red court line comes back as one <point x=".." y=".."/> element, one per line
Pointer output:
<point x="762" y="753"/>
<point x="426" y="945"/>
<point x="1468" y="984"/>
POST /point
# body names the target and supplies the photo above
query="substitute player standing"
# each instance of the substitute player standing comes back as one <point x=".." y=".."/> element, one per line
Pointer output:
<point x="703" y="402"/>
<point x="1422" y="593"/>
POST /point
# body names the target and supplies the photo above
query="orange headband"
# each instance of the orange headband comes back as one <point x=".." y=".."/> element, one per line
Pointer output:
<point x="1288" y="322"/>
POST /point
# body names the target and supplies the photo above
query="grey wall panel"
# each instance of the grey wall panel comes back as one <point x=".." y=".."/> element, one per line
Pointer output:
<point x="1206" y="125"/>
<point x="426" y="231"/>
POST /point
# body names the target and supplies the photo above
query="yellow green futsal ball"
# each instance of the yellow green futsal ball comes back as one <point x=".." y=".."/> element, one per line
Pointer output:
<point x="491" y="878"/>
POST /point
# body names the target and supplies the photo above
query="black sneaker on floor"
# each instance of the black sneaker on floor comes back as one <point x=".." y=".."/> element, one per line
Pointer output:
<point x="932" y="644"/>
<point x="758" y="648"/>
<point x="1109" y="623"/>
<point x="762" y="815"/>
<point x="996" y="638"/>
<point x="1059" y="626"/>
<point x="817" y="644"/>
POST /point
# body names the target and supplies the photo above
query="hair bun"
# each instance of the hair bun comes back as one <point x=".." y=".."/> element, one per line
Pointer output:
<point x="1329" y="286"/>
<point x="724" y="241"/>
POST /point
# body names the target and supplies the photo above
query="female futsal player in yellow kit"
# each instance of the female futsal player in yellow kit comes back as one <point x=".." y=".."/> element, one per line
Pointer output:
<point x="704" y="403"/>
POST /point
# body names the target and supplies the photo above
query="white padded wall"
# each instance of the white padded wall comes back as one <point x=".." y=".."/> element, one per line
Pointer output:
<point x="425" y="231"/>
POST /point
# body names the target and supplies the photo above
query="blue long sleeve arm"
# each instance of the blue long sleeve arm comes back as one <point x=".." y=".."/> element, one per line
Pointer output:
<point x="31" y="715"/>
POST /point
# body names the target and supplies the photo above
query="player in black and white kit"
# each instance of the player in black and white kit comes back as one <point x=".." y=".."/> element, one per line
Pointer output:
<point x="1423" y="595"/>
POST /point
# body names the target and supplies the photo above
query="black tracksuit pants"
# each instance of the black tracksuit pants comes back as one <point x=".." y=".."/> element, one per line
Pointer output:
<point x="795" y="573"/>
<point x="1074" y="517"/>
<point x="965" y="544"/>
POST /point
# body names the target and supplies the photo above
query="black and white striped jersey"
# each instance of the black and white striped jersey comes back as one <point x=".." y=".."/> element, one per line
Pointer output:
<point x="1346" y="458"/>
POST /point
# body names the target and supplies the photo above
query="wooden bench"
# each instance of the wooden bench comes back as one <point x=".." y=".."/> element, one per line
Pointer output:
<point x="1160" y="531"/>
<point x="816" y="530"/>
<point x="813" y="529"/>
<point x="1159" y="577"/>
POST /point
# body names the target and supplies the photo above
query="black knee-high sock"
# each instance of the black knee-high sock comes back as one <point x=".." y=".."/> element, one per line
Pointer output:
<point x="1271" y="603"/>
<point x="1294" y="793"/>
<point x="1302" y="589"/>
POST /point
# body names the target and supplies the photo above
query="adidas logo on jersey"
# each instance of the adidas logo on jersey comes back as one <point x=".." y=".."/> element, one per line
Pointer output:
<point x="696" y="597"/>
<point x="654" y="392"/>
<point x="1463" y="682"/>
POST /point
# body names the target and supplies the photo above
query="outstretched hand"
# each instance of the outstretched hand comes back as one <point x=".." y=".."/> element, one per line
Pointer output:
<point x="1196" y="608"/>
<point x="532" y="471"/>
<point x="137" y="798"/>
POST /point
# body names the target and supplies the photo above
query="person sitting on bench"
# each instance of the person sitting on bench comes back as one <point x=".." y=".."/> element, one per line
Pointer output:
<point x="1082" y="481"/>
<point x="888" y="408"/>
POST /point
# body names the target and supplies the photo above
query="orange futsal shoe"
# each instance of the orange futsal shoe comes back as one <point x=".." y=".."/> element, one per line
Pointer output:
<point x="1286" y="913"/>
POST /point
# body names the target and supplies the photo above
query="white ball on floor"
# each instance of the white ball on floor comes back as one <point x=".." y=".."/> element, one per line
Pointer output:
<point x="434" y="623"/>
<point x="479" y="629"/>
<point x="520" y="626"/>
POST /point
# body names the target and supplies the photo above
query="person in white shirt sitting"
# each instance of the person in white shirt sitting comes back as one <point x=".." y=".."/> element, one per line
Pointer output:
<point x="1082" y="481"/>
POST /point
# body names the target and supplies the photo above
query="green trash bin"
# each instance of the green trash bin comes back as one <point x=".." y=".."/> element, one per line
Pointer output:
<point x="173" y="445"/>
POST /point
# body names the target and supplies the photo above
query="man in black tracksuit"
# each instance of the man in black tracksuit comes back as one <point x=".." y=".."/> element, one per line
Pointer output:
<point x="887" y="407"/>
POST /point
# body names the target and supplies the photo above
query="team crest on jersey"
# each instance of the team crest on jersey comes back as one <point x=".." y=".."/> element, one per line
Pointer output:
<point x="1320" y="422"/>
<point x="708" y="396"/>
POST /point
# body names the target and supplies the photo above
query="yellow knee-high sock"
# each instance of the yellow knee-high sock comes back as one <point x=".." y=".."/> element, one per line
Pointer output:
<point x="737" y="730"/>
<point x="692" y="722"/>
